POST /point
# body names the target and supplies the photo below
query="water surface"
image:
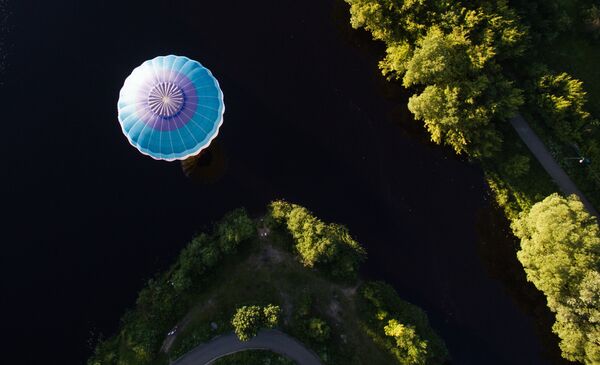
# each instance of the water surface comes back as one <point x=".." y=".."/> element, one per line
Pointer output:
<point x="308" y="118"/>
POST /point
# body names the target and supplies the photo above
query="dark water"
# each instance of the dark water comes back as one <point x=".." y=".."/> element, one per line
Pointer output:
<point x="88" y="218"/>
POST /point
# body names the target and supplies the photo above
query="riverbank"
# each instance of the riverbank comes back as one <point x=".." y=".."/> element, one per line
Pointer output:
<point x="469" y="66"/>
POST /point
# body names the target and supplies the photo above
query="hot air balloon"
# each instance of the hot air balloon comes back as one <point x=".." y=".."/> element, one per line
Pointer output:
<point x="170" y="108"/>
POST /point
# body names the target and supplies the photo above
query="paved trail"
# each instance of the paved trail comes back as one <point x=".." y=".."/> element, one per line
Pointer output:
<point x="542" y="154"/>
<point x="273" y="340"/>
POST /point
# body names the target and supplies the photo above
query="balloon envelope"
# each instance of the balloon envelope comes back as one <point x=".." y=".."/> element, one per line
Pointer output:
<point x="171" y="108"/>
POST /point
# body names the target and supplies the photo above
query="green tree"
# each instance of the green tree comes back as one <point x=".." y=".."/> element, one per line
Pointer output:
<point x="561" y="103"/>
<point x="464" y="94"/>
<point x="248" y="320"/>
<point x="402" y="328"/>
<point x="410" y="348"/>
<point x="318" y="243"/>
<point x="234" y="228"/>
<point x="516" y="166"/>
<point x="318" y="330"/>
<point x="592" y="20"/>
<point x="454" y="52"/>
<point x="560" y="251"/>
<point x="199" y="255"/>
<point x="271" y="315"/>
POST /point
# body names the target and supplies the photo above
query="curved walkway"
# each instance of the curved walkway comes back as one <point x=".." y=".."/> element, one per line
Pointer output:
<point x="542" y="154"/>
<point x="273" y="340"/>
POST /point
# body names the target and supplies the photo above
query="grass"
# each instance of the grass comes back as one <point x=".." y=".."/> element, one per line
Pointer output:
<point x="266" y="272"/>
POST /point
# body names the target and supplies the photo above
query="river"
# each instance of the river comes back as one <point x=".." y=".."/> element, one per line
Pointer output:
<point x="308" y="118"/>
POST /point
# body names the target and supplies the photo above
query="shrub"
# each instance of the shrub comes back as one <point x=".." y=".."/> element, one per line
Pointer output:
<point x="248" y="320"/>
<point x="318" y="330"/>
<point x="318" y="243"/>
<point x="400" y="327"/>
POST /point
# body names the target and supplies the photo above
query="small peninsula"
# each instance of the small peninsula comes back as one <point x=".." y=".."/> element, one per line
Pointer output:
<point x="286" y="274"/>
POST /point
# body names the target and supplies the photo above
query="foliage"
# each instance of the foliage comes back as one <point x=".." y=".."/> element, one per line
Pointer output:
<point x="234" y="228"/>
<point x="272" y="314"/>
<point x="592" y="20"/>
<point x="327" y="245"/>
<point x="560" y="250"/>
<point x="410" y="349"/>
<point x="547" y="19"/>
<point x="517" y="166"/>
<point x="248" y="320"/>
<point x="318" y="330"/>
<point x="560" y="101"/>
<point x="400" y="327"/>
<point x="558" y="105"/>
<point x="454" y="55"/>
<point x="454" y="52"/>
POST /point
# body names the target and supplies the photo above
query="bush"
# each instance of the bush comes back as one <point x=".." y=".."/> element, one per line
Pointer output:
<point x="592" y="20"/>
<point x="400" y="327"/>
<point x="248" y="320"/>
<point x="560" y="101"/>
<point x="516" y="166"/>
<point x="318" y="243"/>
<point x="234" y="228"/>
<point x="317" y="329"/>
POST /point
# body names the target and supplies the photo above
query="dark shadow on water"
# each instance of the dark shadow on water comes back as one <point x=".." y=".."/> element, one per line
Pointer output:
<point x="208" y="167"/>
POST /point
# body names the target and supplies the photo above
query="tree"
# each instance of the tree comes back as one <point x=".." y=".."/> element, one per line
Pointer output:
<point x="402" y="328"/>
<point x="561" y="101"/>
<point x="318" y="243"/>
<point x="199" y="255"/>
<point x="592" y="20"/>
<point x="560" y="251"/>
<point x="454" y="52"/>
<point x="248" y="320"/>
<point x="234" y="228"/>
<point x="271" y="314"/>
<point x="464" y="94"/>
<point x="411" y="349"/>
<point x="318" y="330"/>
<point x="516" y="166"/>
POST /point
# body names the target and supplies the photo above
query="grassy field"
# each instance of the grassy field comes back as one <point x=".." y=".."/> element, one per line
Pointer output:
<point x="266" y="272"/>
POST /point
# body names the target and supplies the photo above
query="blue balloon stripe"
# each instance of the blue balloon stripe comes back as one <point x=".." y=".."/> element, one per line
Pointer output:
<point x="136" y="130"/>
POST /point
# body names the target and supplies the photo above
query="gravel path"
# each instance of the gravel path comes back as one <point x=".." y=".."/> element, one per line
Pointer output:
<point x="542" y="154"/>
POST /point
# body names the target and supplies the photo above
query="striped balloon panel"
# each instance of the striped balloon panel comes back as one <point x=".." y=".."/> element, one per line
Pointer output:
<point x="170" y="108"/>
